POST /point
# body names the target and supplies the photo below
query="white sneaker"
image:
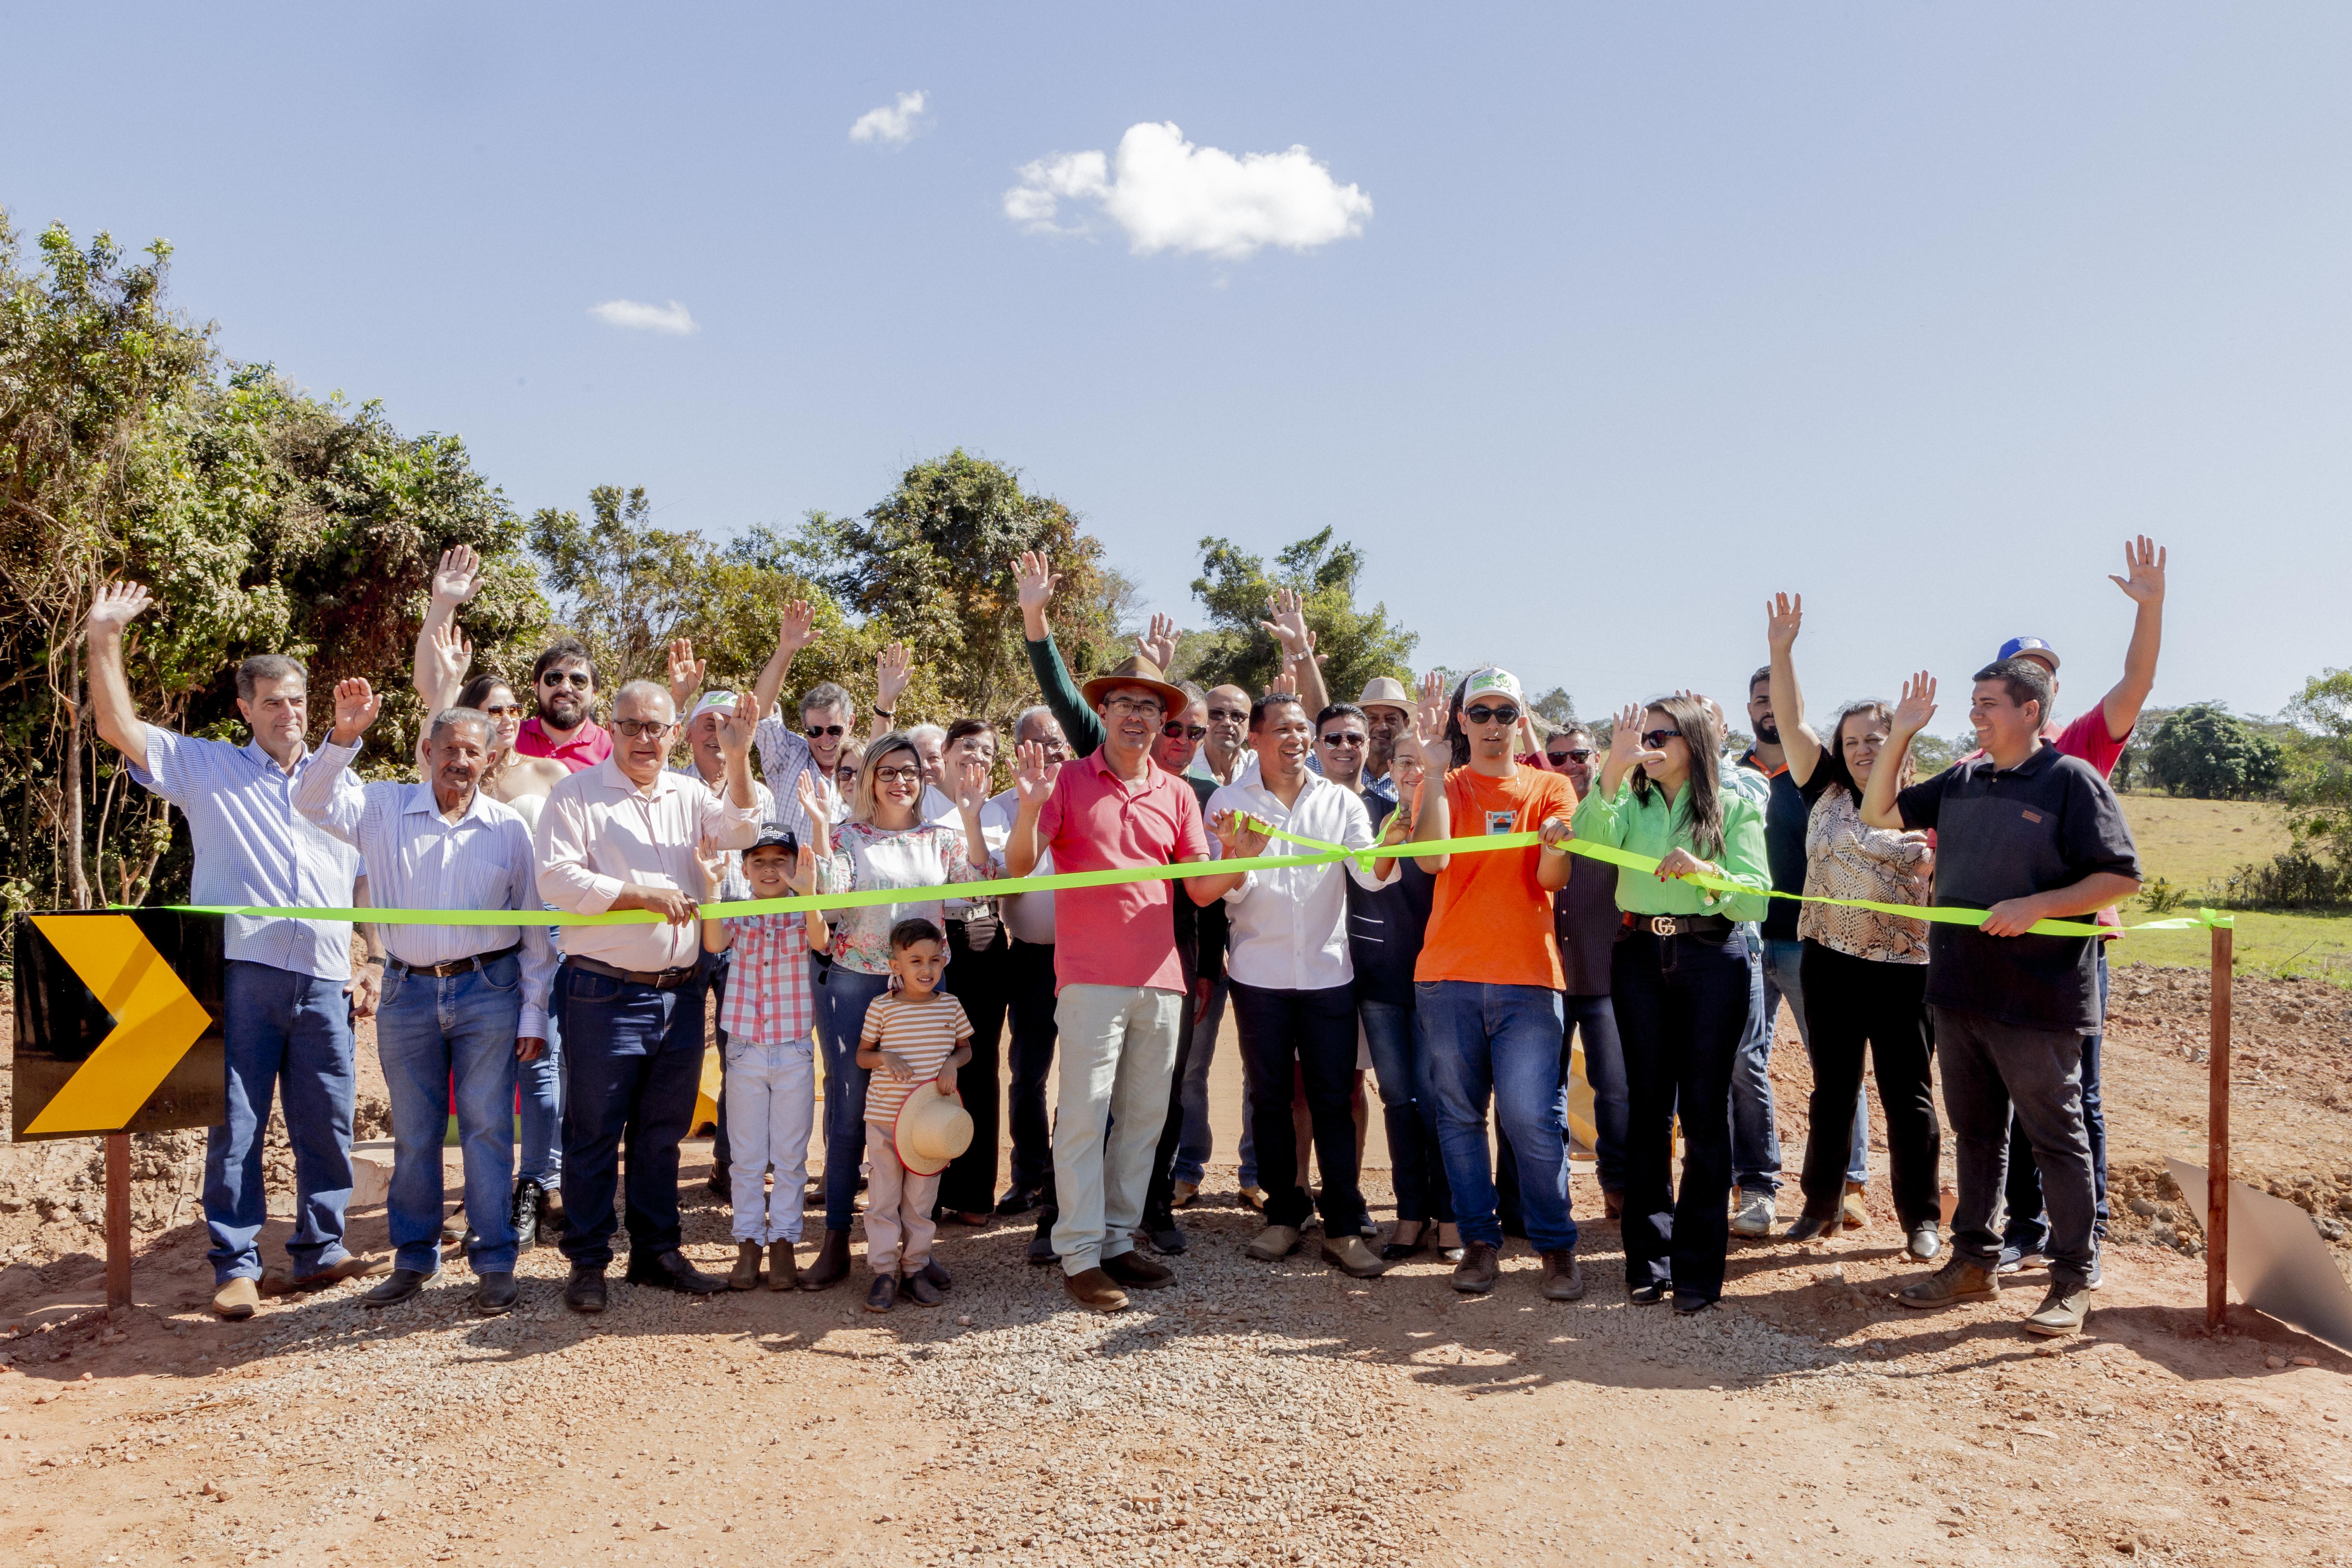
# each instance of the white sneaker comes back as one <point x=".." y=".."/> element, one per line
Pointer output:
<point x="1754" y="1215"/>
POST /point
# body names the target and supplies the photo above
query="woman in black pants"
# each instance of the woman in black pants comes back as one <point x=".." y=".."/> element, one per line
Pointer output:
<point x="1679" y="978"/>
<point x="1864" y="973"/>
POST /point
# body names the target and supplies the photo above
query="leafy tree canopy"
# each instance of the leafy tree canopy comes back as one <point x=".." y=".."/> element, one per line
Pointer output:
<point x="2205" y="750"/>
<point x="1355" y="643"/>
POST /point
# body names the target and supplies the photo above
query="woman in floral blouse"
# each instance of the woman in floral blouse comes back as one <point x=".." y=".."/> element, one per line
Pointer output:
<point x="885" y="844"/>
<point x="1864" y="972"/>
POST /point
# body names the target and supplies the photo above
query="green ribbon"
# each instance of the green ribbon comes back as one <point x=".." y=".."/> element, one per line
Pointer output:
<point x="1321" y="854"/>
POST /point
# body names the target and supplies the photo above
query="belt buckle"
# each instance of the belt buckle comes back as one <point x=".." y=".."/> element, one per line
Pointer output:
<point x="1662" y="925"/>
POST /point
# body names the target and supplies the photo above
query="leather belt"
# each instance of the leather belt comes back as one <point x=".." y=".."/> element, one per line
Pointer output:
<point x="1680" y="925"/>
<point x="455" y="966"/>
<point x="659" y="979"/>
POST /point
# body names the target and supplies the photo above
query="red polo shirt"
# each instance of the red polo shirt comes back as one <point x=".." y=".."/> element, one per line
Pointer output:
<point x="1097" y="821"/>
<point x="590" y="745"/>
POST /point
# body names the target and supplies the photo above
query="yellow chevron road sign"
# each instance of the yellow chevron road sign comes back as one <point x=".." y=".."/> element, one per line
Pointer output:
<point x="117" y="1023"/>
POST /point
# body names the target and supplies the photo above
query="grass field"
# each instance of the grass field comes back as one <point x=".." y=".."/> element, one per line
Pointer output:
<point x="2193" y="844"/>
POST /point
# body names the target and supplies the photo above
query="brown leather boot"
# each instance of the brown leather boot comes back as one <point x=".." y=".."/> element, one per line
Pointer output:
<point x="747" y="1267"/>
<point x="782" y="1272"/>
<point x="831" y="1264"/>
<point x="1474" y="1274"/>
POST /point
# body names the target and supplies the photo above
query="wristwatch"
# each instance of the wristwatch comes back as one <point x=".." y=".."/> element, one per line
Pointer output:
<point x="886" y="714"/>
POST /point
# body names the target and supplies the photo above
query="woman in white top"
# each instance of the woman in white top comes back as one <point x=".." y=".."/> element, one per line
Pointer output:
<point x="1864" y="972"/>
<point x="885" y="844"/>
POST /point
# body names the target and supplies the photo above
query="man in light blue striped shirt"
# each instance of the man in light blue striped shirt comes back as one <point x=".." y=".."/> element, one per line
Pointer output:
<point x="459" y="1001"/>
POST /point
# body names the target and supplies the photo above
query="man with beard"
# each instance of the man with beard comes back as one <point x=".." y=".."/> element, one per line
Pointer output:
<point x="462" y="1005"/>
<point x="563" y="679"/>
<point x="1754" y="1136"/>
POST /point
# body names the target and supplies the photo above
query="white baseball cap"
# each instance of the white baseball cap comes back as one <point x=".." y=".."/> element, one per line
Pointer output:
<point x="712" y="703"/>
<point x="1493" y="682"/>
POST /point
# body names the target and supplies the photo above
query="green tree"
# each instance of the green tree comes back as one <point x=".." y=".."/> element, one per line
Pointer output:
<point x="2206" y="751"/>
<point x="2318" y="789"/>
<point x="1355" y="643"/>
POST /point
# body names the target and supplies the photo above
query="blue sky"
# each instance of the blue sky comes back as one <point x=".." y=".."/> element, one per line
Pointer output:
<point x="1920" y="311"/>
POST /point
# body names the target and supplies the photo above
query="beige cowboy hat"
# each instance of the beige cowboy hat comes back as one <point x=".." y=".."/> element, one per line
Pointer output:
<point x="1137" y="670"/>
<point x="932" y="1128"/>
<point x="1385" y="691"/>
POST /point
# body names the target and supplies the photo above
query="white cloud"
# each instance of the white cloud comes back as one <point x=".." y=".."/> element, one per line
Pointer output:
<point x="670" y="317"/>
<point x="1167" y="195"/>
<point x="893" y="122"/>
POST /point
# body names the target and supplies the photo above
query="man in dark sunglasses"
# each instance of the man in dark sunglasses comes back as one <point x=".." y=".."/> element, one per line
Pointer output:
<point x="1180" y="734"/>
<point x="1342" y="741"/>
<point x="1570" y="751"/>
<point x="564" y="680"/>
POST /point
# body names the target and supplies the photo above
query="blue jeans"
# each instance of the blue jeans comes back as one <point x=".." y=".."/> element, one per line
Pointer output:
<point x="2028" y="1229"/>
<point x="1754" y="1138"/>
<point x="1684" y="1004"/>
<point x="841" y="1003"/>
<point x="1407" y="1107"/>
<point x="1199" y="1142"/>
<point x="1604" y="1070"/>
<point x="289" y="1034"/>
<point x="635" y="1063"/>
<point x="1500" y="1042"/>
<point x="541" y="1082"/>
<point x="427" y="1030"/>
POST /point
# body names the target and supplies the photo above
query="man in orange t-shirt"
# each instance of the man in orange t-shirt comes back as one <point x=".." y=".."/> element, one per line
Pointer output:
<point x="1487" y="984"/>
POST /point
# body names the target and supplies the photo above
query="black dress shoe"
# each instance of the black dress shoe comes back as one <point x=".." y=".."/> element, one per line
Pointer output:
<point x="1018" y="1200"/>
<point x="1396" y="1251"/>
<point x="496" y="1294"/>
<point x="1040" y="1246"/>
<point x="1686" y="1304"/>
<point x="1647" y="1295"/>
<point x="938" y="1278"/>
<point x="1165" y="1235"/>
<point x="529" y="1197"/>
<point x="400" y="1286"/>
<point x="1804" y="1227"/>
<point x="671" y="1270"/>
<point x="585" y="1291"/>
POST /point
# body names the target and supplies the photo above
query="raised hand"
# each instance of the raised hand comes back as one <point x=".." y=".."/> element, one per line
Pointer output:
<point x="804" y="790"/>
<point x="1033" y="781"/>
<point x="684" y="674"/>
<point x="355" y="709"/>
<point x="803" y="877"/>
<point x="116" y="606"/>
<point x="1784" y="617"/>
<point x="970" y="777"/>
<point x="1625" y="740"/>
<point x="458" y="577"/>
<point x="448" y="656"/>
<point x="713" y="861"/>
<point x="1288" y="626"/>
<point x="1429" y="713"/>
<point x="2143" y="577"/>
<point x="1033" y="579"/>
<point x="1917" y="705"/>
<point x="738" y="724"/>
<point x="1159" y="644"/>
<point x="893" y="667"/>
<point x="796" y="628"/>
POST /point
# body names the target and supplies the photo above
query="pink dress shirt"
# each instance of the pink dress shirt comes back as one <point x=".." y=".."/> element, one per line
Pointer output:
<point x="599" y="830"/>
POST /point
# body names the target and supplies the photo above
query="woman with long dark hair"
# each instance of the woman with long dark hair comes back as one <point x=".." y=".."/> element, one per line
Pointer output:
<point x="1679" y="979"/>
<point x="1864" y="973"/>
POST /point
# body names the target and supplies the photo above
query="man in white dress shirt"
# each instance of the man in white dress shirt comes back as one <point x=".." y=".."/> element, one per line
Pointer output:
<point x="1292" y="981"/>
<point x="462" y="1003"/>
<point x="623" y="835"/>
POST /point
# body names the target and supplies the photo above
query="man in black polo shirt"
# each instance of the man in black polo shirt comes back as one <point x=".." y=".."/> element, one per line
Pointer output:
<point x="2025" y="834"/>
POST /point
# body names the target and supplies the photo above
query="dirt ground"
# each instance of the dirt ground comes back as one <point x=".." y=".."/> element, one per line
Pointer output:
<point x="1251" y="1413"/>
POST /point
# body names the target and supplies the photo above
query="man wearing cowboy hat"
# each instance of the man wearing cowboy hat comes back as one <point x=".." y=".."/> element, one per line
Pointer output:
<point x="1387" y="707"/>
<point x="1118" y="994"/>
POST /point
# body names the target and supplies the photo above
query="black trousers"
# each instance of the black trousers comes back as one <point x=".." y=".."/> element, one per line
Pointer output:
<point x="1849" y="1003"/>
<point x="1681" y="1008"/>
<point x="1315" y="1031"/>
<point x="982" y="979"/>
<point x="1029" y="972"/>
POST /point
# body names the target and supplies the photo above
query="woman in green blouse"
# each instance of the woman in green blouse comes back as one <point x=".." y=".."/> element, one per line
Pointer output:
<point x="1679" y="980"/>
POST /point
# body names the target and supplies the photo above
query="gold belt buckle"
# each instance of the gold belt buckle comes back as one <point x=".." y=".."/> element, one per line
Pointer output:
<point x="1662" y="925"/>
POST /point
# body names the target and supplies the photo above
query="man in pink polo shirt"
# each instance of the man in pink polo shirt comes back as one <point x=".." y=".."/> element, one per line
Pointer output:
<point x="1119" y="992"/>
<point x="565" y="729"/>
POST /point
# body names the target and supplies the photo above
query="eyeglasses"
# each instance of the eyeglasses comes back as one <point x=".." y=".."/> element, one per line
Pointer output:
<point x="635" y="729"/>
<point x="1348" y="738"/>
<point x="1133" y="706"/>
<point x="579" y="678"/>
<point x="897" y="775"/>
<point x="505" y="711"/>
<point x="1482" y="715"/>
<point x="813" y="730"/>
<point x="1655" y="740"/>
<point x="1233" y="715"/>
<point x="1579" y="754"/>
<point x="1176" y="727"/>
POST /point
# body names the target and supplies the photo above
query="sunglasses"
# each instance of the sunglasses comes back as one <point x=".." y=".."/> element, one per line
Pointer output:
<point x="634" y="729"/>
<point x="505" y="711"/>
<point x="1579" y="754"/>
<point x="579" y="678"/>
<point x="1655" y="740"/>
<point x="1348" y="737"/>
<point x="1236" y="715"/>
<point x="897" y="775"/>
<point x="1176" y="728"/>
<point x="1482" y="715"/>
<point x="836" y="730"/>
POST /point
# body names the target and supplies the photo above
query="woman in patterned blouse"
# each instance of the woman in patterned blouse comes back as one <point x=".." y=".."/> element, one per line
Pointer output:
<point x="1864" y="972"/>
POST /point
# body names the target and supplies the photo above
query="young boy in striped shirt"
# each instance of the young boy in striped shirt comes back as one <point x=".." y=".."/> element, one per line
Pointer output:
<point x="913" y="1032"/>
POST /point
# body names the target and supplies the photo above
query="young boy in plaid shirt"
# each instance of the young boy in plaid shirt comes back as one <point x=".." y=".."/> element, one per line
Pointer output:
<point x="771" y="1067"/>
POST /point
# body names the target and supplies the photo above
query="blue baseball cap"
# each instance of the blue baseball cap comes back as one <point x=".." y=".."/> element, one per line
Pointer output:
<point x="2020" y="647"/>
